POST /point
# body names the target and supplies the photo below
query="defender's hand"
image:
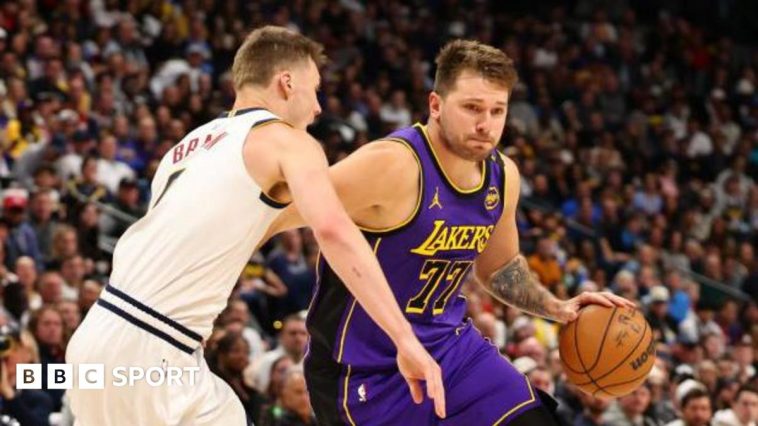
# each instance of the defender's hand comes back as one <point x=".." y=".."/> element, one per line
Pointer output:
<point x="415" y="364"/>
<point x="567" y="311"/>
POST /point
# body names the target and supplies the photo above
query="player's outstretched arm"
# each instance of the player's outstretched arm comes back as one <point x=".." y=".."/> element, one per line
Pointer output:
<point x="305" y="169"/>
<point x="505" y="273"/>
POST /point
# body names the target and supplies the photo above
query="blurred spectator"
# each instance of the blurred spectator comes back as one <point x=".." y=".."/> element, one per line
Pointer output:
<point x="260" y="287"/>
<point x="71" y="316"/>
<point x="680" y="301"/>
<point x="277" y="375"/>
<point x="289" y="263"/>
<point x="292" y="341"/>
<point x="21" y="240"/>
<point x="696" y="409"/>
<point x="42" y="219"/>
<point x="395" y="113"/>
<point x="236" y="317"/>
<point x="127" y="202"/>
<point x="51" y="288"/>
<point x="26" y="272"/>
<point x="544" y="264"/>
<point x="594" y="409"/>
<point x="70" y="165"/>
<point x="48" y="329"/>
<point x="73" y="274"/>
<point x="663" y="325"/>
<point x="88" y="295"/>
<point x="293" y="408"/>
<point x="232" y="357"/>
<point x="28" y="406"/>
<point x="110" y="171"/>
<point x="87" y="189"/>
<point x="744" y="411"/>
<point x="630" y="410"/>
<point x="699" y="323"/>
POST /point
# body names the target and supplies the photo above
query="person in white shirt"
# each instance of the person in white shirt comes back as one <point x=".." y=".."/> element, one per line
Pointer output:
<point x="110" y="172"/>
<point x="70" y="165"/>
<point x="744" y="412"/>
<point x="293" y="338"/>
<point x="396" y="111"/>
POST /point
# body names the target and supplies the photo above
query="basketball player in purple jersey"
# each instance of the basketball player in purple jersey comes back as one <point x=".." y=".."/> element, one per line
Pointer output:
<point x="436" y="202"/>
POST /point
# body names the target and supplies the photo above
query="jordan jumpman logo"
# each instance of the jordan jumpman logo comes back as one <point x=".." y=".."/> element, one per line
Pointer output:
<point x="436" y="199"/>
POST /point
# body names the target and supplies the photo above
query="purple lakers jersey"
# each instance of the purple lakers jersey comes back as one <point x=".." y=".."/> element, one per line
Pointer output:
<point x="425" y="260"/>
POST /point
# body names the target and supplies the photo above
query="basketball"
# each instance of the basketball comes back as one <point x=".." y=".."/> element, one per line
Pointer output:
<point x="607" y="352"/>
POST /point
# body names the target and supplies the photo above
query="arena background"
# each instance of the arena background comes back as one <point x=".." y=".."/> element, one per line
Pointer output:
<point x="634" y="127"/>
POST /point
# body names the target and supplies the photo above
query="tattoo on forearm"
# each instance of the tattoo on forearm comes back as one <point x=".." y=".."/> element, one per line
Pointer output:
<point x="516" y="285"/>
<point x="357" y="272"/>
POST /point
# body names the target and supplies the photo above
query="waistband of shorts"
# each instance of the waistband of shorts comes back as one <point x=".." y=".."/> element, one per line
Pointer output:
<point x="150" y="320"/>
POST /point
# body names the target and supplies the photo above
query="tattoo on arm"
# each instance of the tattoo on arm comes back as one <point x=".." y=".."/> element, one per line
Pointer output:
<point x="516" y="285"/>
<point x="357" y="272"/>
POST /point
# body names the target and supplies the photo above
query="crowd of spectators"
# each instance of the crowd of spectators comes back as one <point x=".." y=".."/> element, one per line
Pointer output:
<point x="634" y="128"/>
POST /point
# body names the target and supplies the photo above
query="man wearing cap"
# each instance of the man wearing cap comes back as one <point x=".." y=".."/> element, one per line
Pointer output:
<point x="687" y="351"/>
<point x="22" y="240"/>
<point x="70" y="165"/>
<point x="701" y="323"/>
<point x="663" y="326"/>
<point x="127" y="201"/>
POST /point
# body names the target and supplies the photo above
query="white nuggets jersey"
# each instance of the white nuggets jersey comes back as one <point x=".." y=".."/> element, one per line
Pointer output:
<point x="206" y="217"/>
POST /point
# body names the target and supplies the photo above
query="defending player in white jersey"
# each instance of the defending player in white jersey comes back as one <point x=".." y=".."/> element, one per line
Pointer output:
<point x="215" y="199"/>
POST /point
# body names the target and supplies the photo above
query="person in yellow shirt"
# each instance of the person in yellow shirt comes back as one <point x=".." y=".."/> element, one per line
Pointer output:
<point x="544" y="263"/>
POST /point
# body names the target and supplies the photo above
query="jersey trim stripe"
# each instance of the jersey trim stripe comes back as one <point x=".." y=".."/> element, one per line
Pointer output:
<point x="421" y="128"/>
<point x="344" y="329"/>
<point x="271" y="202"/>
<point x="414" y="214"/>
<point x="150" y="311"/>
<point x="267" y="122"/>
<point x="350" y="313"/>
<point x="344" y="396"/>
<point x="145" y="326"/>
<point x="238" y="112"/>
<point x="514" y="409"/>
<point x="504" y="183"/>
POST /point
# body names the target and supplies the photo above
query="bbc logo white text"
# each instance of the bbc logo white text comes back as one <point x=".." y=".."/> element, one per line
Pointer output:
<point x="93" y="376"/>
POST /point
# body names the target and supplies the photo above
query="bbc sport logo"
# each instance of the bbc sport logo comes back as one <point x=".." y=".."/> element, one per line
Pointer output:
<point x="92" y="376"/>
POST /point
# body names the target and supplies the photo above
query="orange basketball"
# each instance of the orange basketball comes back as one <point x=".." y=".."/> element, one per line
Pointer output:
<point x="607" y="351"/>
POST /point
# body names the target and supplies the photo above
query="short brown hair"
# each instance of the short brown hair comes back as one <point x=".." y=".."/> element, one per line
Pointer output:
<point x="459" y="55"/>
<point x="267" y="49"/>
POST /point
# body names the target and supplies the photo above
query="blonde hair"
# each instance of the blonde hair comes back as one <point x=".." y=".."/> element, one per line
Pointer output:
<point x="268" y="49"/>
<point x="460" y="55"/>
<point x="26" y="342"/>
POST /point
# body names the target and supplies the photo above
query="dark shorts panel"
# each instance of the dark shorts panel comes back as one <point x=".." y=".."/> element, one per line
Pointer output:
<point x="322" y="376"/>
<point x="482" y="388"/>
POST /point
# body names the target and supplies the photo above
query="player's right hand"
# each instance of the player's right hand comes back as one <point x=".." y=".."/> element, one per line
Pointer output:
<point x="415" y="364"/>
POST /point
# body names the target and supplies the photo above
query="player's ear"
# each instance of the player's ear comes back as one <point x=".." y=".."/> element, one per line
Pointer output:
<point x="285" y="83"/>
<point x="435" y="104"/>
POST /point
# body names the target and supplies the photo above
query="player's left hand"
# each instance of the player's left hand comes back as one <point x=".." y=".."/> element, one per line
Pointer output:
<point x="568" y="310"/>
